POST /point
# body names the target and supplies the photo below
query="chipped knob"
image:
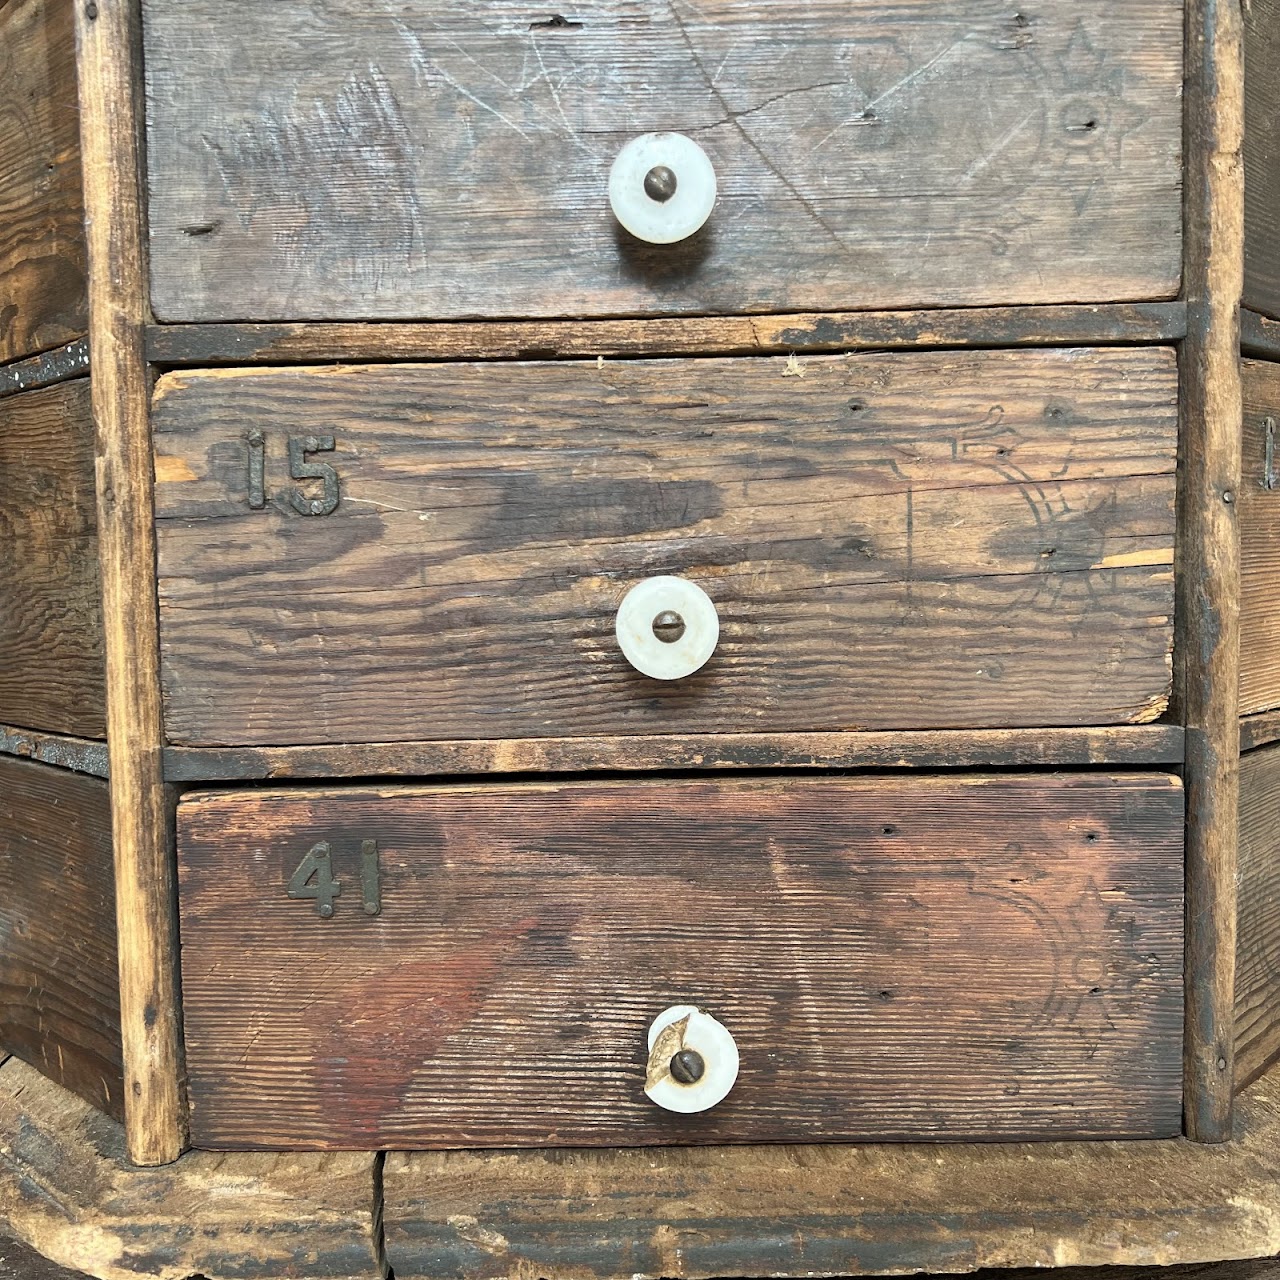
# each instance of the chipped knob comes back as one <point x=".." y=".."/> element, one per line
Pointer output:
<point x="693" y="1061"/>
<point x="662" y="187"/>
<point x="667" y="627"/>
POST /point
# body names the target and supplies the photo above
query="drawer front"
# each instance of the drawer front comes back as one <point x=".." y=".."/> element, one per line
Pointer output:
<point x="317" y="159"/>
<point x="895" y="958"/>
<point x="52" y="673"/>
<point x="1262" y="156"/>
<point x="1258" y="932"/>
<point x="914" y="541"/>
<point x="43" y="300"/>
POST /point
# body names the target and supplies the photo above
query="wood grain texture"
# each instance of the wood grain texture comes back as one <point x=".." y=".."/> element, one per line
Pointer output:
<point x="424" y="160"/>
<point x="896" y="958"/>
<point x="952" y="539"/>
<point x="199" y="345"/>
<point x="108" y="40"/>
<point x="42" y="251"/>
<point x="1262" y="155"/>
<point x="46" y="369"/>
<point x="51" y="652"/>
<point x="59" y="1000"/>
<point x="1260" y="539"/>
<point x="1208" y="645"/>
<point x="937" y="749"/>
<point x="837" y="1211"/>
<point x="68" y="1190"/>
<point x="1258" y="941"/>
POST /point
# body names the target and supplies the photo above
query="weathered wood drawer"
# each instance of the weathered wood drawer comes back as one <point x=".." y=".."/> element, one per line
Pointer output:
<point x="954" y="539"/>
<point x="313" y="159"/>
<point x="43" y="300"/>
<point x="1262" y="156"/>
<point x="52" y="674"/>
<point x="1260" y="539"/>
<point x="895" y="958"/>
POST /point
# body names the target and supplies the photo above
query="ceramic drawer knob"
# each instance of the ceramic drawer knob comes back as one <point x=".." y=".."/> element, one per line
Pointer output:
<point x="667" y="627"/>
<point x="662" y="187"/>
<point x="693" y="1061"/>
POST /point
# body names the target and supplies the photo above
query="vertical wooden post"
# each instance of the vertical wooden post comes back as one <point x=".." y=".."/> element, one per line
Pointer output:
<point x="1209" y="549"/>
<point x="108" y="41"/>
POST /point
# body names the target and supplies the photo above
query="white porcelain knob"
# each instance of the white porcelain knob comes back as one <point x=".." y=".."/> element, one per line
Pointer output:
<point x="693" y="1061"/>
<point x="667" y="627"/>
<point x="662" y="187"/>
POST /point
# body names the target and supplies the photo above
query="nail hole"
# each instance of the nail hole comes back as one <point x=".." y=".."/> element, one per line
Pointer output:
<point x="1091" y="837"/>
<point x="889" y="830"/>
<point x="557" y="22"/>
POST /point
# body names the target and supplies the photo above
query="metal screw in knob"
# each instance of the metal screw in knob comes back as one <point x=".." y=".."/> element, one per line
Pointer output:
<point x="660" y="183"/>
<point x="687" y="1066"/>
<point x="668" y="626"/>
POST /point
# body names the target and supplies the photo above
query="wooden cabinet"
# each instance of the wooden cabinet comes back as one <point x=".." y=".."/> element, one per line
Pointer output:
<point x="643" y="545"/>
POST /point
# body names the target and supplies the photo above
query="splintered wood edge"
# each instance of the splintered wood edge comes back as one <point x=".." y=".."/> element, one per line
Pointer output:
<point x="83" y="755"/>
<point x="187" y="345"/>
<point x="1125" y="745"/>
<point x="68" y="1191"/>
<point x="838" y="1210"/>
<point x="46" y="369"/>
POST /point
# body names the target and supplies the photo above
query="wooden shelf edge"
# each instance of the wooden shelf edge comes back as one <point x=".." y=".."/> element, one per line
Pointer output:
<point x="1158" y="745"/>
<point x="840" y="1210"/>
<point x="1259" y="729"/>
<point x="46" y="369"/>
<point x="192" y="345"/>
<point x="1259" y="335"/>
<point x="83" y="755"/>
<point x="68" y="1191"/>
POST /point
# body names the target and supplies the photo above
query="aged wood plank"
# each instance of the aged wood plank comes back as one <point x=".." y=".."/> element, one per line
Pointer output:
<point x="1160" y="744"/>
<point x="1259" y="730"/>
<point x="1208" y="645"/>
<point x="42" y="252"/>
<point x="425" y="160"/>
<point x="1260" y="539"/>
<point x="837" y="1211"/>
<point x="59" y="1002"/>
<point x="1262" y="155"/>
<point x="1258" y="943"/>
<point x="68" y="1190"/>
<point x="108" y="42"/>
<point x="84" y="755"/>
<point x="933" y="540"/>
<point x="973" y="956"/>
<point x="51" y="658"/>
<point x="46" y="369"/>
<point x="197" y="345"/>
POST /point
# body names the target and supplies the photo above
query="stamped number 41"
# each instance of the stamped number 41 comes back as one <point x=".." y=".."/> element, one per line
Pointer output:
<point x="313" y="880"/>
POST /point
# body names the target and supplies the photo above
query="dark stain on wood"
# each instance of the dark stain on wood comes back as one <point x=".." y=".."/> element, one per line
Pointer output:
<point x="897" y="958"/>
<point x="428" y="164"/>
<point x="937" y="540"/>
<point x="51" y="661"/>
<point x="1258" y="934"/>
<point x="81" y="754"/>
<point x="42" y="254"/>
<point x="59" y="998"/>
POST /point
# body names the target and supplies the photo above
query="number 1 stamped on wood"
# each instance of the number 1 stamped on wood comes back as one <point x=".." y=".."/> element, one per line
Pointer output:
<point x="314" y="881"/>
